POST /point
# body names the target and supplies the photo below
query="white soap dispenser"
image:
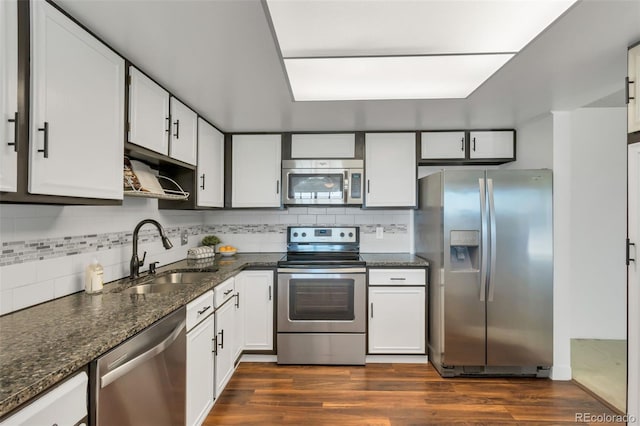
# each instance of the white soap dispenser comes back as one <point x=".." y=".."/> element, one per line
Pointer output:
<point x="93" y="280"/>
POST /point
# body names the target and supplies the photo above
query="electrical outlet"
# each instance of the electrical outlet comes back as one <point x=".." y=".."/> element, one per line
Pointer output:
<point x="184" y="237"/>
<point x="379" y="232"/>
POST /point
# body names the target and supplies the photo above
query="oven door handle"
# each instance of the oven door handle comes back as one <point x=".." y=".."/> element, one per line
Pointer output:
<point x="322" y="270"/>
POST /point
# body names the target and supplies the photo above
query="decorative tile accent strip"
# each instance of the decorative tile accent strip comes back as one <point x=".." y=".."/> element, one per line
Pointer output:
<point x="30" y="251"/>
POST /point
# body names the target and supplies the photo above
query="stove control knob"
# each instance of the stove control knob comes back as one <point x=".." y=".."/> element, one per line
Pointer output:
<point x="295" y="234"/>
<point x="351" y="234"/>
<point x="304" y="234"/>
<point x="342" y="234"/>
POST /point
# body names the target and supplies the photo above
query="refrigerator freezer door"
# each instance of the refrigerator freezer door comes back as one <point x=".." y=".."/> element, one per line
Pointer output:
<point x="464" y="305"/>
<point x="520" y="285"/>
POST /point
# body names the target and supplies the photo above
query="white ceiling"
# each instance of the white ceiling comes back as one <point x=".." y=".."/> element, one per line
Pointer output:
<point x="219" y="56"/>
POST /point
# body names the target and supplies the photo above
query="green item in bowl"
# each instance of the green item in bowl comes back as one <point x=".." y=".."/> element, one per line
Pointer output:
<point x="210" y="240"/>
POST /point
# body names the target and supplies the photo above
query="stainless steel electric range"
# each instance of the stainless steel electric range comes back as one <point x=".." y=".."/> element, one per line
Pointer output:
<point x="321" y="297"/>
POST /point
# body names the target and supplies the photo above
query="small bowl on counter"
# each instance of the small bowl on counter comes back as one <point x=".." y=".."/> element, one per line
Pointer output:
<point x="226" y="252"/>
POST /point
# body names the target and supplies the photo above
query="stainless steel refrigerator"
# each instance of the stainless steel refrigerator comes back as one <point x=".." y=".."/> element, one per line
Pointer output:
<point x="489" y="239"/>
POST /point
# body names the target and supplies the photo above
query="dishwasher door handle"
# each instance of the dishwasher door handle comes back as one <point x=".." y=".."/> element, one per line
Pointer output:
<point x="120" y="371"/>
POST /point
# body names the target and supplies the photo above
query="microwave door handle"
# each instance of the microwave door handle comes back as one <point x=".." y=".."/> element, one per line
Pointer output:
<point x="345" y="187"/>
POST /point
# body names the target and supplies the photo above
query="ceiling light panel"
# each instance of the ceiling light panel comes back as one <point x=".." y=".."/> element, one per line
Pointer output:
<point x="403" y="77"/>
<point x="308" y="28"/>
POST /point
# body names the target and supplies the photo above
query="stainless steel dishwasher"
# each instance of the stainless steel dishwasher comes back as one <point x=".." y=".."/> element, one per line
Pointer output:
<point x="142" y="381"/>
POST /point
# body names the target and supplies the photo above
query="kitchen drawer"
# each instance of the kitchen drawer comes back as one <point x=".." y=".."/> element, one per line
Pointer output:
<point x="199" y="309"/>
<point x="416" y="276"/>
<point x="224" y="292"/>
<point x="64" y="405"/>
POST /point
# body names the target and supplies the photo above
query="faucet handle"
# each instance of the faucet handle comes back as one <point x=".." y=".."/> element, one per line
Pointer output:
<point x="144" y="256"/>
<point x="152" y="267"/>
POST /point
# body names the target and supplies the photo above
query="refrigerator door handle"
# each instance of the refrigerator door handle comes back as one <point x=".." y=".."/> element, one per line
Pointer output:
<point x="492" y="241"/>
<point x="483" y="237"/>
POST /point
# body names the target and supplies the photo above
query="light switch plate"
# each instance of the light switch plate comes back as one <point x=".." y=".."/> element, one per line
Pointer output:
<point x="184" y="237"/>
<point x="379" y="232"/>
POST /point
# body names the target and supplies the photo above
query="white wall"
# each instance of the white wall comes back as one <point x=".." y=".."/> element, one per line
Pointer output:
<point x="534" y="145"/>
<point x="35" y="281"/>
<point x="598" y="223"/>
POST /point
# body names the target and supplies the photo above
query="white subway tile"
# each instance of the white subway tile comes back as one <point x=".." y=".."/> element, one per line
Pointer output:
<point x="17" y="275"/>
<point x="7" y="228"/>
<point x="53" y="268"/>
<point x="67" y="285"/>
<point x="288" y="219"/>
<point x="306" y="219"/>
<point x="325" y="219"/>
<point x="297" y="210"/>
<point x="32" y="294"/>
<point x="382" y="219"/>
<point x="363" y="219"/>
<point x="6" y="301"/>
<point x="345" y="219"/>
<point x="336" y="210"/>
<point x="316" y="210"/>
<point x="355" y="210"/>
<point x="401" y="219"/>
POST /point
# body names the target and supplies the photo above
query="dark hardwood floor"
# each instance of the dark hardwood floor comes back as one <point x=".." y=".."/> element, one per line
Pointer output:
<point x="393" y="394"/>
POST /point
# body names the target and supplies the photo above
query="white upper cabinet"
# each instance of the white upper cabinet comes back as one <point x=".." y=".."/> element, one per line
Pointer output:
<point x="634" y="90"/>
<point x="8" y="95"/>
<point x="77" y="110"/>
<point x="390" y="169"/>
<point x="184" y="132"/>
<point x="323" y="145"/>
<point x="148" y="113"/>
<point x="492" y="144"/>
<point x="442" y="145"/>
<point x="255" y="170"/>
<point x="210" y="166"/>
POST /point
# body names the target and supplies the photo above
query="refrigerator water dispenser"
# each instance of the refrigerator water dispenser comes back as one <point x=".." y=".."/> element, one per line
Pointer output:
<point x="465" y="253"/>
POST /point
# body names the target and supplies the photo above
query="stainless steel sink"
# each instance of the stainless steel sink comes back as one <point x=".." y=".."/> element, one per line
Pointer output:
<point x="167" y="282"/>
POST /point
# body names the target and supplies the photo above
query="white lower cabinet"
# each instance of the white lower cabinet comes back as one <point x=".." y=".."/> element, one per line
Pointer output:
<point x="64" y="405"/>
<point x="225" y="314"/>
<point x="397" y="312"/>
<point x="257" y="307"/>
<point x="238" y="335"/>
<point x="200" y="359"/>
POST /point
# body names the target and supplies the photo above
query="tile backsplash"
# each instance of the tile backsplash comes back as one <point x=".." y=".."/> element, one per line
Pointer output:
<point x="45" y="249"/>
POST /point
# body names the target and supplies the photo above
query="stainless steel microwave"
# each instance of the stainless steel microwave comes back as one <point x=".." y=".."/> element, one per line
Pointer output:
<point x="322" y="182"/>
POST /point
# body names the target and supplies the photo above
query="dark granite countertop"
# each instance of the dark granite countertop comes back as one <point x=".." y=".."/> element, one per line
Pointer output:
<point x="42" y="345"/>
<point x="393" y="259"/>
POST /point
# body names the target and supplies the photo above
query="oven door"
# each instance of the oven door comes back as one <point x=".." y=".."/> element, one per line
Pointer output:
<point x="314" y="186"/>
<point x="321" y="300"/>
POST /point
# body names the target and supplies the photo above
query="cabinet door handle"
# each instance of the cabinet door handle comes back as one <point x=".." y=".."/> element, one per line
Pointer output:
<point x="474" y="144"/>
<point x="238" y="300"/>
<point x="202" y="177"/>
<point x="368" y="186"/>
<point x="168" y="124"/>
<point x="397" y="279"/>
<point x="45" y="129"/>
<point x="221" y="344"/>
<point x="462" y="144"/>
<point x="371" y="309"/>
<point x="214" y="341"/>
<point x="277" y="187"/>
<point x="177" y="134"/>
<point x="203" y="310"/>
<point x="269" y="292"/>
<point x="629" y="258"/>
<point x="14" y="120"/>
<point x="627" y="90"/>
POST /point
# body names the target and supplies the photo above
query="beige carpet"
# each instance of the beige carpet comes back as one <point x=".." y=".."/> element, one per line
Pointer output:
<point x="601" y="367"/>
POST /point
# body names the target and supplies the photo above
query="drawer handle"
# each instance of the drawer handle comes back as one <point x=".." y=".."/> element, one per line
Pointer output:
<point x="203" y="310"/>
<point x="397" y="279"/>
<point x="228" y="291"/>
